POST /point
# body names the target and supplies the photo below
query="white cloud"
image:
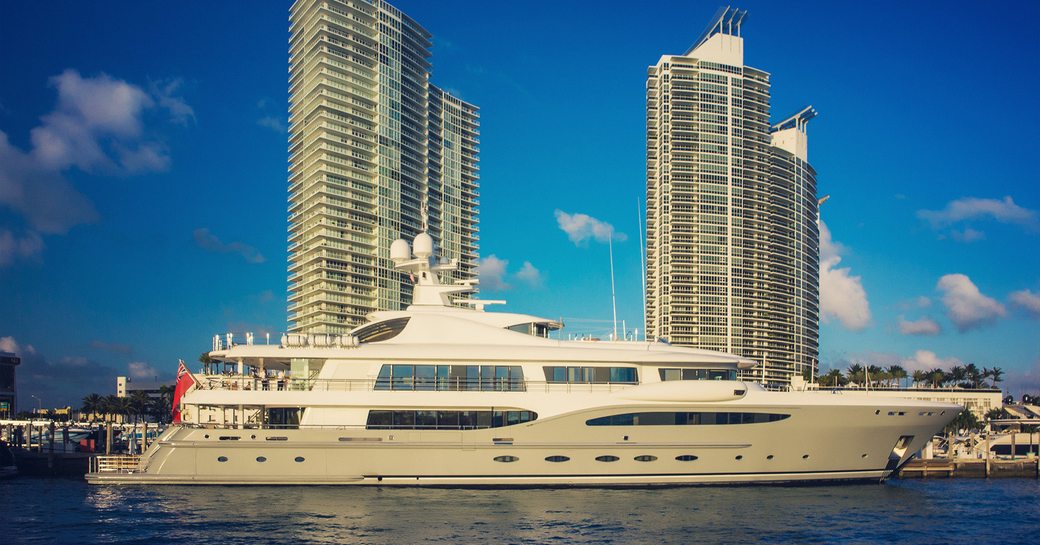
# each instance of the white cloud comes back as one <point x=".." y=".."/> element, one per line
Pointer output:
<point x="967" y="235"/>
<point x="165" y="92"/>
<point x="924" y="326"/>
<point x="967" y="208"/>
<point x="1027" y="301"/>
<point x="209" y="241"/>
<point x="13" y="247"/>
<point x="492" y="273"/>
<point x="530" y="275"/>
<point x="141" y="370"/>
<point x="581" y="227"/>
<point x="48" y="203"/>
<point x="842" y="296"/>
<point x="965" y="305"/>
<point x="9" y="344"/>
<point x="273" y="123"/>
<point x="90" y="112"/>
<point x="98" y="125"/>
<point x="926" y="360"/>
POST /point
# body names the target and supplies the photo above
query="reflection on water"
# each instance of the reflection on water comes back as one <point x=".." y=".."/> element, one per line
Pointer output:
<point x="961" y="510"/>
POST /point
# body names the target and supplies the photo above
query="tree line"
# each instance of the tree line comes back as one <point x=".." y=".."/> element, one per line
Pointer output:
<point x="137" y="405"/>
<point x="962" y="376"/>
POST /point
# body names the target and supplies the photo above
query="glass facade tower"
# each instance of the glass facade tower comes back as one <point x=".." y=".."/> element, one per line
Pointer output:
<point x="376" y="153"/>
<point x="732" y="240"/>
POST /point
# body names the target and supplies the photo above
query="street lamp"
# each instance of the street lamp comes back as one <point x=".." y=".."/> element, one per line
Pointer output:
<point x="38" y="401"/>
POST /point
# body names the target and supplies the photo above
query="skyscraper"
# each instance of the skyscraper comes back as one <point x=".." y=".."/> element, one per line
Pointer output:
<point x="375" y="153"/>
<point x="732" y="240"/>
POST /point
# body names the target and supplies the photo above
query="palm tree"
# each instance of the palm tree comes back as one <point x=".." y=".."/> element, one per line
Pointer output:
<point x="972" y="373"/>
<point x="897" y="373"/>
<point x="832" y="378"/>
<point x="92" y="405"/>
<point x="162" y="404"/>
<point x="995" y="414"/>
<point x="138" y="404"/>
<point x="998" y="375"/>
<point x="919" y="377"/>
<point x="855" y="373"/>
<point x="876" y="374"/>
<point x="936" y="376"/>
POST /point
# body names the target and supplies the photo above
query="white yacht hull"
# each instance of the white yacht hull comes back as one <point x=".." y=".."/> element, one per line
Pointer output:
<point x="855" y="440"/>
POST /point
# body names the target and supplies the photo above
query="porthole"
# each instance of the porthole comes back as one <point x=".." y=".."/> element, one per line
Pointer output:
<point x="261" y="459"/>
<point x="299" y="458"/>
<point x="877" y="412"/>
<point x="205" y="436"/>
<point x="252" y="437"/>
<point x="686" y="457"/>
<point x="506" y="459"/>
<point x="645" y="458"/>
<point x="770" y="457"/>
<point x="221" y="458"/>
<point x="805" y="456"/>
<point x="607" y="458"/>
<point x="739" y="457"/>
<point x="863" y="456"/>
<point x="556" y="458"/>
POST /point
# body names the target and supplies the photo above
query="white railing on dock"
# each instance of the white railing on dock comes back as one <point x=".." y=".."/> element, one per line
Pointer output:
<point x="115" y="463"/>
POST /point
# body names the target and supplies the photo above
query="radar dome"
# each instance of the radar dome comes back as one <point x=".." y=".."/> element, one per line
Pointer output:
<point x="423" y="245"/>
<point x="400" y="251"/>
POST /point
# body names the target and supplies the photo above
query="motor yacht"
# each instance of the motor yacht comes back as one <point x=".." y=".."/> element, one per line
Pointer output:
<point x="446" y="393"/>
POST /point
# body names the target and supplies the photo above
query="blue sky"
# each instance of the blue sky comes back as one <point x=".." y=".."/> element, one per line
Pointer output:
<point x="143" y="170"/>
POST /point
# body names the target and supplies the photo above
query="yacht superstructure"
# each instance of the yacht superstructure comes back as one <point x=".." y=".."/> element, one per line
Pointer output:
<point x="442" y="394"/>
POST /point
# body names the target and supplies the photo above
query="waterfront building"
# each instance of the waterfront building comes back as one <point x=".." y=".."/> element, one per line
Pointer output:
<point x="732" y="234"/>
<point x="376" y="152"/>
<point x="126" y="387"/>
<point x="8" y="384"/>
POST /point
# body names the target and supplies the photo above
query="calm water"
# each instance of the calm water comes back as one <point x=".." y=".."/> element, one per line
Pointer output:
<point x="936" y="511"/>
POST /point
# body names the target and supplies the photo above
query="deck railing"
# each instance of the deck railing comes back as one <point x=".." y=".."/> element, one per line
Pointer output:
<point x="114" y="463"/>
<point x="250" y="383"/>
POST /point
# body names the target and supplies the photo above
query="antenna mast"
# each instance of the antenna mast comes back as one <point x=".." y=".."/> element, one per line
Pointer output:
<point x="613" y="295"/>
<point x="642" y="260"/>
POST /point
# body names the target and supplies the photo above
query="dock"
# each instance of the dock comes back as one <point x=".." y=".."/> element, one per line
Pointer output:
<point x="942" y="468"/>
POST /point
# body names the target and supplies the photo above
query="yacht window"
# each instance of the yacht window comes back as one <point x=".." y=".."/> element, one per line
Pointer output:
<point x="684" y="419"/>
<point x="495" y="378"/>
<point x="685" y="457"/>
<point x="697" y="374"/>
<point x="607" y="458"/>
<point x="381" y="331"/>
<point x="591" y="375"/>
<point x="645" y="458"/>
<point x="446" y="420"/>
<point x="538" y="329"/>
<point x="556" y="459"/>
<point x="506" y="459"/>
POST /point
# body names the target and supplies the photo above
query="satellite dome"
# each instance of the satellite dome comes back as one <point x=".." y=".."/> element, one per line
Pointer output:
<point x="400" y="251"/>
<point x="423" y="245"/>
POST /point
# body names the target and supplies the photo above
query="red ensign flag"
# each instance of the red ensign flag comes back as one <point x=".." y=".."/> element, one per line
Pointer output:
<point x="185" y="380"/>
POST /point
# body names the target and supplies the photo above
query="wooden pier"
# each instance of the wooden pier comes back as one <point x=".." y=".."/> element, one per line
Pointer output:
<point x="940" y="468"/>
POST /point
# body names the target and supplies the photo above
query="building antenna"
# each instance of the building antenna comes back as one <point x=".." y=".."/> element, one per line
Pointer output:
<point x="642" y="260"/>
<point x="613" y="295"/>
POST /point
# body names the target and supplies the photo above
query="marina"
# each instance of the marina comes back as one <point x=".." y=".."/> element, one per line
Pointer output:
<point x="901" y="511"/>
